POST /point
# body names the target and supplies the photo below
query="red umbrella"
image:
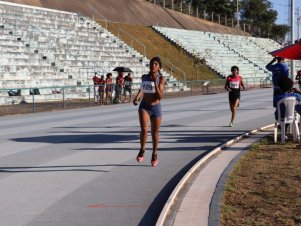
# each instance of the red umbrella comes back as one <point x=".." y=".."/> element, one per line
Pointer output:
<point x="292" y="52"/>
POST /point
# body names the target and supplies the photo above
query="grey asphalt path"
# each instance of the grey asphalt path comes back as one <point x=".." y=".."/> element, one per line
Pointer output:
<point x="78" y="167"/>
<point x="201" y="204"/>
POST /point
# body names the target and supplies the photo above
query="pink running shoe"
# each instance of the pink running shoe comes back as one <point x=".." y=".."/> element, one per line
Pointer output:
<point x="154" y="161"/>
<point x="140" y="156"/>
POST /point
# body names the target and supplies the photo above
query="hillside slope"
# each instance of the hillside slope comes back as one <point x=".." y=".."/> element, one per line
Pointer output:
<point x="132" y="12"/>
<point x="157" y="45"/>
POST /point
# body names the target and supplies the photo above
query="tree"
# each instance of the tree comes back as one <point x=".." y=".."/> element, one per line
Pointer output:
<point x="260" y="15"/>
<point x="221" y="7"/>
<point x="278" y="32"/>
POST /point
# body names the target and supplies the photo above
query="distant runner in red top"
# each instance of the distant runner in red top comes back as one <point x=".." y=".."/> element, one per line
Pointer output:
<point x="233" y="84"/>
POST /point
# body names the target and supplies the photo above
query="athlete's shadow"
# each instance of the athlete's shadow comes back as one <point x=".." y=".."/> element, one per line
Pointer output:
<point x="70" y="168"/>
<point x="127" y="136"/>
<point x="80" y="138"/>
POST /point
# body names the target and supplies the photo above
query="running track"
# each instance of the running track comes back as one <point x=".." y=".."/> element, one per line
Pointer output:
<point x="78" y="167"/>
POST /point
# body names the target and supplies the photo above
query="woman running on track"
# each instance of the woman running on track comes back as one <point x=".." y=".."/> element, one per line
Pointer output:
<point x="233" y="84"/>
<point x="151" y="92"/>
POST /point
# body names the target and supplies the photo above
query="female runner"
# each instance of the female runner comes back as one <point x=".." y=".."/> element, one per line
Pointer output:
<point x="151" y="92"/>
<point x="233" y="84"/>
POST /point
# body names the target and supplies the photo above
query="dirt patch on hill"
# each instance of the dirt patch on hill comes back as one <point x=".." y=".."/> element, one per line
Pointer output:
<point x="132" y="12"/>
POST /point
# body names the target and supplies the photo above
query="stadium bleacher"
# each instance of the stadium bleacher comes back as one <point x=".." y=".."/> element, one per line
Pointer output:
<point x="43" y="47"/>
<point x="221" y="51"/>
<point x="49" y="48"/>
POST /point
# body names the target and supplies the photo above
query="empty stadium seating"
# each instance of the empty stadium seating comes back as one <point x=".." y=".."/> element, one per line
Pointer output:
<point x="48" y="48"/>
<point x="221" y="51"/>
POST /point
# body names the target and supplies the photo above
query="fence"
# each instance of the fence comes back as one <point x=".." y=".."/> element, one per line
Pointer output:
<point x="38" y="99"/>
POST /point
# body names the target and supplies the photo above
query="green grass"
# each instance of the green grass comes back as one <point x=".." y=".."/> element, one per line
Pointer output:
<point x="157" y="45"/>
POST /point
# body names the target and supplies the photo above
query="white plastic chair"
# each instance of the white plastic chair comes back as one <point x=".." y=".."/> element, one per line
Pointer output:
<point x="289" y="118"/>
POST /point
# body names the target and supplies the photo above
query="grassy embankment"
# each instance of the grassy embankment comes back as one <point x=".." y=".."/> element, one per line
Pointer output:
<point x="157" y="45"/>
<point x="265" y="187"/>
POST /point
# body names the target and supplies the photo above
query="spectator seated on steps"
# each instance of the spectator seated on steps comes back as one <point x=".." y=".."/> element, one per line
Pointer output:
<point x="287" y="90"/>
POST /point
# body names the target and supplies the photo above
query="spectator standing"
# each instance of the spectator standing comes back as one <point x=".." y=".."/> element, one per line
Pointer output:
<point x="128" y="81"/>
<point x="96" y="80"/>
<point x="233" y="84"/>
<point x="101" y="90"/>
<point x="279" y="69"/>
<point x="151" y="92"/>
<point x="298" y="78"/>
<point x="109" y="88"/>
<point x="119" y="87"/>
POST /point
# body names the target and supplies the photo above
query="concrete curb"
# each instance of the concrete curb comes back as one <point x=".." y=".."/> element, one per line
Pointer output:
<point x="216" y="151"/>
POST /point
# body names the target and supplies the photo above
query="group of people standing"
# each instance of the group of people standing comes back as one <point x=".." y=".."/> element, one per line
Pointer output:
<point x="104" y="87"/>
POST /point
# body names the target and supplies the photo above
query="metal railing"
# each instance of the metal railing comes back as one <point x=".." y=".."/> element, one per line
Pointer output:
<point x="37" y="99"/>
<point x="173" y="68"/>
<point x="98" y="13"/>
<point x="132" y="41"/>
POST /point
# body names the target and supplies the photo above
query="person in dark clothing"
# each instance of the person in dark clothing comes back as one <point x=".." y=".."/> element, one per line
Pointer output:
<point x="298" y="78"/>
<point x="128" y="81"/>
<point x="118" y="87"/>
<point x="279" y="69"/>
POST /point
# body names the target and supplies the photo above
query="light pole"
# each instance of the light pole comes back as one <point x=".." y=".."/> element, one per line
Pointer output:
<point x="237" y="15"/>
<point x="237" y="10"/>
<point x="298" y="24"/>
<point x="181" y="6"/>
<point x="292" y="38"/>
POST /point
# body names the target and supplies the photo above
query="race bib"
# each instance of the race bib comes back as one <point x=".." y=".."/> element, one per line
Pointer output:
<point x="234" y="85"/>
<point x="148" y="87"/>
